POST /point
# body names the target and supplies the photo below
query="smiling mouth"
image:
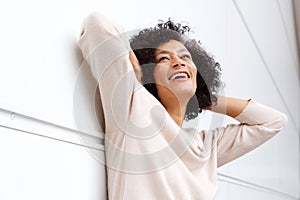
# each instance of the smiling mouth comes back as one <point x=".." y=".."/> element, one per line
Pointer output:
<point x="179" y="75"/>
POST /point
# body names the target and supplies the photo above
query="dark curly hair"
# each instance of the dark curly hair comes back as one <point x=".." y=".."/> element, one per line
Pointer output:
<point x="144" y="45"/>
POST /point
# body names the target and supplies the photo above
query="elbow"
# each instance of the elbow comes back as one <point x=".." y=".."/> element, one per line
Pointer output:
<point x="280" y="122"/>
<point x="284" y="120"/>
<point x="101" y="26"/>
<point x="91" y="27"/>
<point x="95" y="29"/>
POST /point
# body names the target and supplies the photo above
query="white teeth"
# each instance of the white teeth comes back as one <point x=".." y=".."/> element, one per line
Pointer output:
<point x="178" y="76"/>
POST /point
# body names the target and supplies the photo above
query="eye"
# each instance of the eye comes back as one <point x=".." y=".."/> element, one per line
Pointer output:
<point x="187" y="56"/>
<point x="164" y="58"/>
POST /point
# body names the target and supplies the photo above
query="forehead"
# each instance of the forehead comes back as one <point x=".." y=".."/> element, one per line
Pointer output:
<point x="171" y="46"/>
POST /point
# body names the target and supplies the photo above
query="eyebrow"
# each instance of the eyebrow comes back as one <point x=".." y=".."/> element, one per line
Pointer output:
<point x="167" y="52"/>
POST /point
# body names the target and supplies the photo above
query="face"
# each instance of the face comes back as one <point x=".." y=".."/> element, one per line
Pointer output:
<point x="175" y="71"/>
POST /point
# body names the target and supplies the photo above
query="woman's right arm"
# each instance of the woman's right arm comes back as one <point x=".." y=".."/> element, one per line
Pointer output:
<point x="106" y="50"/>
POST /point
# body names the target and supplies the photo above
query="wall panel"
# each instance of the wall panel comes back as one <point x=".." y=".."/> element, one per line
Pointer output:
<point x="42" y="81"/>
<point x="35" y="167"/>
<point x="264" y="25"/>
<point x="247" y="192"/>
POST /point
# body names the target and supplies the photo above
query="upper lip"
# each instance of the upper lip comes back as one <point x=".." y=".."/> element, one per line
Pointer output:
<point x="177" y="72"/>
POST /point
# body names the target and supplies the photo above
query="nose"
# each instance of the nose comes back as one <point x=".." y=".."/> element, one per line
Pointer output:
<point x="178" y="62"/>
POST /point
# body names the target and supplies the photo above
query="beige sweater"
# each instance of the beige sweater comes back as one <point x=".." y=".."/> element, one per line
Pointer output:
<point x="148" y="156"/>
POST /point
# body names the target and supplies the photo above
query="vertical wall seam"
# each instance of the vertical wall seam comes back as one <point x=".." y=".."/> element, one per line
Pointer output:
<point x="295" y="58"/>
<point x="297" y="30"/>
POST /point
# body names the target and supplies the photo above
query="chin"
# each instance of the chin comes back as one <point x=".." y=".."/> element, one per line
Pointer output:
<point x="185" y="92"/>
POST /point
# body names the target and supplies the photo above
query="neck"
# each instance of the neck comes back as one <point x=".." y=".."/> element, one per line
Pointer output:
<point x="176" y="110"/>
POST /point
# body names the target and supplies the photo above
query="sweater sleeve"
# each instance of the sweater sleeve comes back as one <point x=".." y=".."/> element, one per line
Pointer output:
<point x="258" y="123"/>
<point x="105" y="48"/>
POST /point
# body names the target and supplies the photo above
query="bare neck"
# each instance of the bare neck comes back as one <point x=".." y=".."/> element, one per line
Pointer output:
<point x="176" y="110"/>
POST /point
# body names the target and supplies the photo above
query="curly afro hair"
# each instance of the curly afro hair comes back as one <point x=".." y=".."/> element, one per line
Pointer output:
<point x="144" y="45"/>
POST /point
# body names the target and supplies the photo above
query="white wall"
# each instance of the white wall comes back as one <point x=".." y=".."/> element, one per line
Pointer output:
<point x="42" y="154"/>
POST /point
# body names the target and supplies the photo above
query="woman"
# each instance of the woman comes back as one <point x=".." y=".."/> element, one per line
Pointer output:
<point x="148" y="154"/>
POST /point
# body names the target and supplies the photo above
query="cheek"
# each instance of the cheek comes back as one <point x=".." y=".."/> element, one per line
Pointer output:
<point x="158" y="74"/>
<point x="195" y="70"/>
<point x="195" y="73"/>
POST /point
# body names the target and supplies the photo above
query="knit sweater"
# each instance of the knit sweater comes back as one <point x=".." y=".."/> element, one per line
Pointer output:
<point x="148" y="156"/>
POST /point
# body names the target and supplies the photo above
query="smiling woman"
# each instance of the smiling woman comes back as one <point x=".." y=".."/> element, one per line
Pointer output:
<point x="148" y="154"/>
<point x="175" y="78"/>
<point x="148" y="42"/>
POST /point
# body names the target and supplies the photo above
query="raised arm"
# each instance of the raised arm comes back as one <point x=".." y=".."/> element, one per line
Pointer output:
<point x="258" y="123"/>
<point x="229" y="106"/>
<point x="106" y="50"/>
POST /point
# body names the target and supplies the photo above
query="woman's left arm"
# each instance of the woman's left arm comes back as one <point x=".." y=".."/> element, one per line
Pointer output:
<point x="228" y="106"/>
<point x="258" y="123"/>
